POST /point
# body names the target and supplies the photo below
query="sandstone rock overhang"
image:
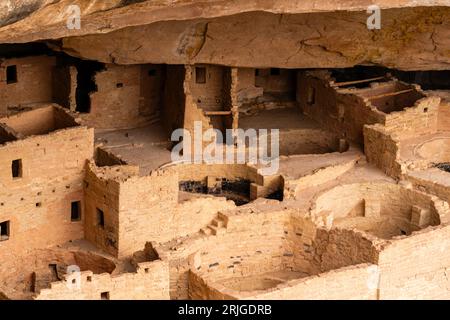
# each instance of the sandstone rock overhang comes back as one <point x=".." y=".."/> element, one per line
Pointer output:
<point x="204" y="32"/>
<point x="32" y="20"/>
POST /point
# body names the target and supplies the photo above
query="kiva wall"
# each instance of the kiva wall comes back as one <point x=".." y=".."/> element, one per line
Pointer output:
<point x="331" y="285"/>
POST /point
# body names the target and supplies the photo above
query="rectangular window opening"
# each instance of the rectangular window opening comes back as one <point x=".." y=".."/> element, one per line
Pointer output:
<point x="11" y="74"/>
<point x="75" y="211"/>
<point x="4" y="231"/>
<point x="100" y="218"/>
<point x="104" y="295"/>
<point x="16" y="168"/>
<point x="200" y="75"/>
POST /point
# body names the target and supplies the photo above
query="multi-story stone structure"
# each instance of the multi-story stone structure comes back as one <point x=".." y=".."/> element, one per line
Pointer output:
<point x="93" y="207"/>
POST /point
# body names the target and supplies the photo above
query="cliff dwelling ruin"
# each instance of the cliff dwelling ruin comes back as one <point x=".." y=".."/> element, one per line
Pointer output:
<point x="92" y="205"/>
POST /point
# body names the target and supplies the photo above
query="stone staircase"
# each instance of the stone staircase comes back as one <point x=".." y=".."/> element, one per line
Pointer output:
<point x="216" y="227"/>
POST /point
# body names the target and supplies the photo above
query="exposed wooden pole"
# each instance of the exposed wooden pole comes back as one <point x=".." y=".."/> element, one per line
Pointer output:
<point x="340" y="84"/>
<point x="217" y="113"/>
<point x="389" y="94"/>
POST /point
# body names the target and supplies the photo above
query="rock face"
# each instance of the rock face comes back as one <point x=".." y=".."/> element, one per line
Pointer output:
<point x="15" y="10"/>
<point x="409" y="39"/>
<point x="414" y="35"/>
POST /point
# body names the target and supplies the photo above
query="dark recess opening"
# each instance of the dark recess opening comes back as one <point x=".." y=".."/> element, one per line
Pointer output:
<point x="235" y="190"/>
<point x="276" y="195"/>
<point x="104" y="295"/>
<point x="427" y="79"/>
<point x="4" y="231"/>
<point x="11" y="74"/>
<point x="16" y="168"/>
<point x="75" y="212"/>
<point x="86" y="83"/>
<point x="100" y="218"/>
<point x="358" y="73"/>
<point x="444" y="166"/>
<point x="275" y="71"/>
<point x="18" y="50"/>
<point x="54" y="271"/>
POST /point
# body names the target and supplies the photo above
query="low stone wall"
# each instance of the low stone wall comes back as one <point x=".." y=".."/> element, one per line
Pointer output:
<point x="388" y="199"/>
<point x="382" y="141"/>
<point x="354" y="282"/>
<point x="416" y="267"/>
<point x="149" y="282"/>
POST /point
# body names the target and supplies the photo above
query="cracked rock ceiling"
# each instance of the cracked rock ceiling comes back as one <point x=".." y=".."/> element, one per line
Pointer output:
<point x="414" y="35"/>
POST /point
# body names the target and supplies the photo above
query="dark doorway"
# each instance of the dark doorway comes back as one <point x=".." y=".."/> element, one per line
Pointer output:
<point x="4" y="231"/>
<point x="86" y="83"/>
<point x="16" y="168"/>
<point x="11" y="74"/>
<point x="75" y="211"/>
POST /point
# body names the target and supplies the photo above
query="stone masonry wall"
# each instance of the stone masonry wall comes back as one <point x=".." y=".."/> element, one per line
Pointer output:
<point x="416" y="267"/>
<point x="341" y="112"/>
<point x="382" y="142"/>
<point x="101" y="193"/>
<point x="126" y="96"/>
<point x="38" y="204"/>
<point x="34" y="82"/>
<point x="149" y="282"/>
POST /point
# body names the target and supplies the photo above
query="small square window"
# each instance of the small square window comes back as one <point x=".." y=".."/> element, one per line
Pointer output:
<point x="89" y="278"/>
<point x="152" y="72"/>
<point x="38" y="204"/>
<point x="16" y="168"/>
<point x="119" y="85"/>
<point x="75" y="211"/>
<point x="100" y="218"/>
<point x="275" y="71"/>
<point x="11" y="74"/>
<point x="200" y="75"/>
<point x="4" y="231"/>
<point x="104" y="295"/>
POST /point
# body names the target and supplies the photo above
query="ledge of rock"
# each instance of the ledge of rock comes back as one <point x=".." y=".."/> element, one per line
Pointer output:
<point x="313" y="34"/>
